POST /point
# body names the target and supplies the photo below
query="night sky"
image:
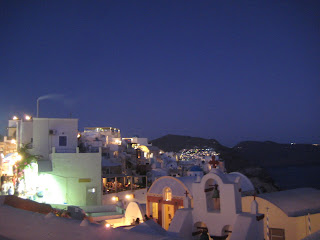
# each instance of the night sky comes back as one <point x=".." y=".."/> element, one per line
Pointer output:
<point x="229" y="70"/>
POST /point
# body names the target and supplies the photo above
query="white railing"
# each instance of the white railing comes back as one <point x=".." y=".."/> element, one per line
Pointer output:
<point x="65" y="150"/>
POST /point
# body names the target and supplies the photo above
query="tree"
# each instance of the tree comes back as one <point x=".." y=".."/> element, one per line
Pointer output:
<point x="26" y="158"/>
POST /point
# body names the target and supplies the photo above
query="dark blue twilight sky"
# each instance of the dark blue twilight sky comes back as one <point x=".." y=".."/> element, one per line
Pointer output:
<point x="229" y="70"/>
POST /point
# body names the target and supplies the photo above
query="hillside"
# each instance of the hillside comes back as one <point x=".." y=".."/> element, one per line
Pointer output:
<point x="258" y="160"/>
<point x="175" y="143"/>
<point x="246" y="154"/>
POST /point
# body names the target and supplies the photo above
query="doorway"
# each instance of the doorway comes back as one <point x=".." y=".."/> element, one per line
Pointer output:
<point x="91" y="196"/>
<point x="168" y="215"/>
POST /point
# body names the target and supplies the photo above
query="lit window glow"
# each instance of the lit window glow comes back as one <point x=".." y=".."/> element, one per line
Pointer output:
<point x="115" y="199"/>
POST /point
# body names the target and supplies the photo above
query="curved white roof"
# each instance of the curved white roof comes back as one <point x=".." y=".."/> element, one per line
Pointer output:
<point x="295" y="202"/>
<point x="178" y="186"/>
<point x="245" y="183"/>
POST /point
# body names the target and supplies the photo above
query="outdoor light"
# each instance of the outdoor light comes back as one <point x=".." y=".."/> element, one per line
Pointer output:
<point x="13" y="141"/>
<point x="115" y="199"/>
<point x="108" y="225"/>
<point x="78" y="136"/>
<point x="15" y="118"/>
<point x="129" y="196"/>
<point x="19" y="157"/>
<point x="27" y="117"/>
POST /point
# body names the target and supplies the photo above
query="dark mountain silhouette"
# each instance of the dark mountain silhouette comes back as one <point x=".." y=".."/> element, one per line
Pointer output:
<point x="246" y="154"/>
<point x="175" y="143"/>
<point x="271" y="154"/>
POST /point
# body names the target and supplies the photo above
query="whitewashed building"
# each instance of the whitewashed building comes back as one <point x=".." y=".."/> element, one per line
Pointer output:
<point x="187" y="205"/>
<point x="63" y="175"/>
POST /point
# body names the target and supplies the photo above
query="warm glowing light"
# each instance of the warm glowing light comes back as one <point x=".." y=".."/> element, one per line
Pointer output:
<point x="13" y="141"/>
<point x="27" y="117"/>
<point x="167" y="194"/>
<point x="108" y="225"/>
<point x="18" y="158"/>
<point x="14" y="158"/>
<point x="129" y="196"/>
<point x="15" y="118"/>
<point x="115" y="199"/>
<point x="78" y="136"/>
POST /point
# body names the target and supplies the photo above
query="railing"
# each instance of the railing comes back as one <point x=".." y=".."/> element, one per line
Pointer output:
<point x="66" y="150"/>
<point x="75" y="150"/>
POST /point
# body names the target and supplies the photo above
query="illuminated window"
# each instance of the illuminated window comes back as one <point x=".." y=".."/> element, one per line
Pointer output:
<point x="168" y="194"/>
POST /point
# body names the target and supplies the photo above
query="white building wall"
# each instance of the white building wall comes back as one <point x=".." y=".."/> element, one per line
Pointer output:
<point x="75" y="167"/>
<point x="141" y="141"/>
<point x="13" y="123"/>
<point x="230" y="203"/>
<point x="26" y="132"/>
<point x="43" y="141"/>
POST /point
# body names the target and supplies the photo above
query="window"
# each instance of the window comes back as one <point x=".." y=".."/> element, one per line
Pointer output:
<point x="276" y="234"/>
<point x="167" y="194"/>
<point x="63" y="141"/>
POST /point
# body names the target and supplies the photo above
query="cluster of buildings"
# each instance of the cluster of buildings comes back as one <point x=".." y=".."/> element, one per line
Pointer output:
<point x="73" y="167"/>
<point x="117" y="180"/>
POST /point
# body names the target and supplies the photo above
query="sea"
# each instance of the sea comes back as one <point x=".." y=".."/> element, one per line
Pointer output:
<point x="292" y="177"/>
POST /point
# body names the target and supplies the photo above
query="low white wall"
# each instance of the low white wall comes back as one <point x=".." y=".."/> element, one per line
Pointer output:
<point x="140" y="196"/>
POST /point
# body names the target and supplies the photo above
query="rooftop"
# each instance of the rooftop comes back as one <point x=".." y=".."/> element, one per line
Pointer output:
<point x="295" y="202"/>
